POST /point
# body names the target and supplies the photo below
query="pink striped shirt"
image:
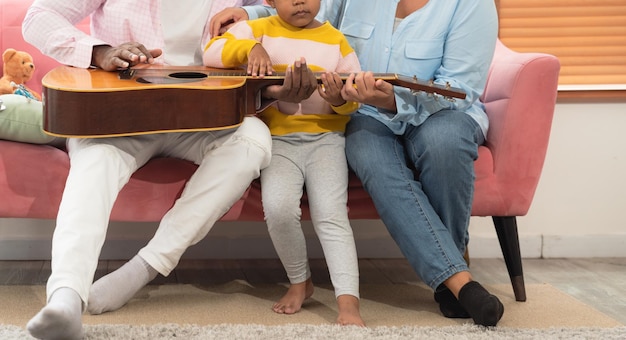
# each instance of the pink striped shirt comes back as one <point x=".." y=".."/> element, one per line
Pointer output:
<point x="49" y="25"/>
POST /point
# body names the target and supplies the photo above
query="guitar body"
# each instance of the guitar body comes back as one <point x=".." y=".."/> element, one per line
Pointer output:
<point x="96" y="103"/>
<point x="91" y="103"/>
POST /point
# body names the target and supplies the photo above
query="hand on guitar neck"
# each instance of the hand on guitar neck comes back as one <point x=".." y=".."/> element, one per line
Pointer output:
<point x="299" y="84"/>
<point x="367" y="89"/>
<point x="370" y="88"/>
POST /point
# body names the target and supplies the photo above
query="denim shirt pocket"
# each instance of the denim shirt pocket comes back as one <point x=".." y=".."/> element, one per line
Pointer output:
<point x="358" y="33"/>
<point x="357" y="29"/>
<point x="423" y="57"/>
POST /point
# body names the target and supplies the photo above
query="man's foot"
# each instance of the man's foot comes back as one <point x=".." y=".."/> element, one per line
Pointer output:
<point x="485" y="308"/>
<point x="114" y="290"/>
<point x="291" y="302"/>
<point x="349" y="311"/>
<point x="60" y="318"/>
<point x="449" y="305"/>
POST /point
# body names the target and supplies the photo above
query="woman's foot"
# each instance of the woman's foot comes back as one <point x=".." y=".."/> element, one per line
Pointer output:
<point x="349" y="311"/>
<point x="291" y="302"/>
<point x="449" y="305"/>
<point x="484" y="308"/>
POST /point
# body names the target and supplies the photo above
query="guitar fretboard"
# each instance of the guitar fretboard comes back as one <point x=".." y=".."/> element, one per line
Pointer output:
<point x="162" y="76"/>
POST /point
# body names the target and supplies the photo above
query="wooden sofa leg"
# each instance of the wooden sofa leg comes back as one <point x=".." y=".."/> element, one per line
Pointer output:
<point x="506" y="228"/>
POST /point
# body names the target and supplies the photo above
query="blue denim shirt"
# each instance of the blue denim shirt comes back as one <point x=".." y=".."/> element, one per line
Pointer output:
<point x="449" y="41"/>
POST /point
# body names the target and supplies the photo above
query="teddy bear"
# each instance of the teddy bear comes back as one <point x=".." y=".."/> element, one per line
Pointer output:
<point x="18" y="69"/>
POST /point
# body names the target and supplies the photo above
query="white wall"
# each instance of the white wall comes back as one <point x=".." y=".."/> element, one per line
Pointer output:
<point x="582" y="191"/>
<point x="575" y="212"/>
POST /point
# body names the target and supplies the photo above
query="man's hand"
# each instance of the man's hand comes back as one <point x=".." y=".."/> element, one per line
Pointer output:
<point x="259" y="62"/>
<point x="300" y="82"/>
<point x="221" y="21"/>
<point x="111" y="58"/>
<point x="366" y="89"/>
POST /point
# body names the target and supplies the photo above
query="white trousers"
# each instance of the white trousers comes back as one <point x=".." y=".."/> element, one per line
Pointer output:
<point x="228" y="161"/>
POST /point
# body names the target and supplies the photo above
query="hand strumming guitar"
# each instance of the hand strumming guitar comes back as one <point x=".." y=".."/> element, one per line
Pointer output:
<point x="111" y="58"/>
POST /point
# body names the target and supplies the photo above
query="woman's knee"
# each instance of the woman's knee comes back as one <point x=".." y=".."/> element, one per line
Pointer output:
<point x="446" y="136"/>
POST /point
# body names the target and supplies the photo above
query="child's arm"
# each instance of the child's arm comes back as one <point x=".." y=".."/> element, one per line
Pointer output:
<point x="237" y="47"/>
<point x="231" y="49"/>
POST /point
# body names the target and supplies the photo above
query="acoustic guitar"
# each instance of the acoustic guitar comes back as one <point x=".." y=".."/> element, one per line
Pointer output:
<point x="155" y="99"/>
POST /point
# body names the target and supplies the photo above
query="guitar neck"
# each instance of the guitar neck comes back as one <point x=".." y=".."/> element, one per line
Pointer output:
<point x="413" y="83"/>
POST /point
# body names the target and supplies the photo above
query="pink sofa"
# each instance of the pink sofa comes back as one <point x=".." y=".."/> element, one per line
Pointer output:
<point x="520" y="98"/>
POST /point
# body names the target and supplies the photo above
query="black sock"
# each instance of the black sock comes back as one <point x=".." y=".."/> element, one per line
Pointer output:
<point x="485" y="308"/>
<point x="449" y="305"/>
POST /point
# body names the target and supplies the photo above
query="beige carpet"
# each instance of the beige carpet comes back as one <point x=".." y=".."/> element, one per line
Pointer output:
<point x="240" y="303"/>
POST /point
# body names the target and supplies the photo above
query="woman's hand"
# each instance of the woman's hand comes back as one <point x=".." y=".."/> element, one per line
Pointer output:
<point x="227" y="17"/>
<point x="366" y="89"/>
<point x="129" y="54"/>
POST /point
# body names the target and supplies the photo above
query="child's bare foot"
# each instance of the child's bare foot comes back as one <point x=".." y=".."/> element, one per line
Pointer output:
<point x="292" y="301"/>
<point x="349" y="311"/>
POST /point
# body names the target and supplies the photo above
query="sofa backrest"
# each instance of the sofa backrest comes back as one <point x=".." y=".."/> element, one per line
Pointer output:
<point x="12" y="14"/>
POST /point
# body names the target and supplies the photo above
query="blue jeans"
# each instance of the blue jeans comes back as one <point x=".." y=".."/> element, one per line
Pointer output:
<point x="422" y="184"/>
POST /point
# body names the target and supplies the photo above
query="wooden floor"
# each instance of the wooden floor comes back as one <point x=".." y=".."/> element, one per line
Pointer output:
<point x="598" y="282"/>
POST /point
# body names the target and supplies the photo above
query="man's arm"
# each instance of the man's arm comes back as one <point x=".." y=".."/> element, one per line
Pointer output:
<point x="49" y="25"/>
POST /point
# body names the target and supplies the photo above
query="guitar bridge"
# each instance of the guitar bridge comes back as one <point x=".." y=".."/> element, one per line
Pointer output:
<point x="126" y="74"/>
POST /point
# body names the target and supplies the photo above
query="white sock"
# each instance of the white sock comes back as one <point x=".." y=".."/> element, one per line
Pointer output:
<point x="114" y="290"/>
<point x="60" y="318"/>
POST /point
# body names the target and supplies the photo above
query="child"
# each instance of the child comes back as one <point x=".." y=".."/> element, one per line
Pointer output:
<point x="308" y="147"/>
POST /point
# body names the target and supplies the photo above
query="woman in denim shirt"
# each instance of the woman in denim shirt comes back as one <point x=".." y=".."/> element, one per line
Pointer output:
<point x="415" y="152"/>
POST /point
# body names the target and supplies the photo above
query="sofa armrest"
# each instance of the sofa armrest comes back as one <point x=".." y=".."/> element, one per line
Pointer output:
<point x="520" y="98"/>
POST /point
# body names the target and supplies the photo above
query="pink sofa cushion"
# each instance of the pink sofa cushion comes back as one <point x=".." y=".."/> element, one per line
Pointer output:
<point x="32" y="178"/>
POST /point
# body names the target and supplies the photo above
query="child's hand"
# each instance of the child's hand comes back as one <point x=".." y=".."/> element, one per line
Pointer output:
<point x="330" y="88"/>
<point x="259" y="63"/>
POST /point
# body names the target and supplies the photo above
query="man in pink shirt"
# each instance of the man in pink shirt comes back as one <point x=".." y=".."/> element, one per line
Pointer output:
<point x="123" y="34"/>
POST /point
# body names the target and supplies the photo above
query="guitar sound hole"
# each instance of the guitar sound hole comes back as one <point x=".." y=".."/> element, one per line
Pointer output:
<point x="188" y="75"/>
